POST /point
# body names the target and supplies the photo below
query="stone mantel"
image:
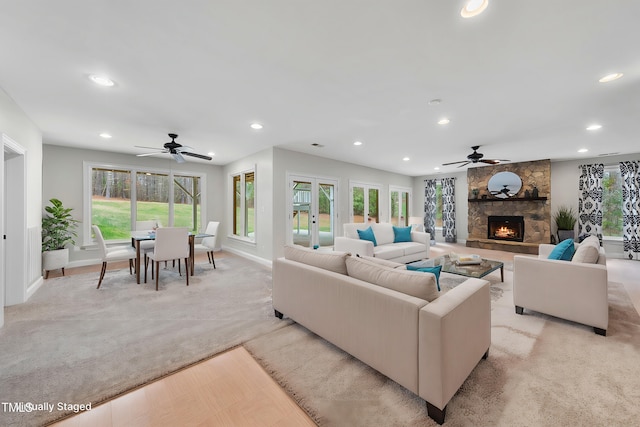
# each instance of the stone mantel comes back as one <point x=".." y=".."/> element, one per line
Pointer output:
<point x="536" y="211"/>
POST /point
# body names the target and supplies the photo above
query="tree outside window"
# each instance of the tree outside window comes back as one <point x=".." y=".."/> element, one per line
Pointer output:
<point x="612" y="202"/>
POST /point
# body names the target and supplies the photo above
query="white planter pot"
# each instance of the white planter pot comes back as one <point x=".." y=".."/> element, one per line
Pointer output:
<point x="566" y="234"/>
<point x="53" y="260"/>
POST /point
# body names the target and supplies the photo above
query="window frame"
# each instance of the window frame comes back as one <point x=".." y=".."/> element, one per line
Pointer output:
<point x="400" y="190"/>
<point x="88" y="167"/>
<point x="367" y="187"/>
<point x="245" y="237"/>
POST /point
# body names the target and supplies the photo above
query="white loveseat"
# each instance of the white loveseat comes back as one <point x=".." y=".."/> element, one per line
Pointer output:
<point x="430" y="348"/>
<point x="574" y="290"/>
<point x="404" y="252"/>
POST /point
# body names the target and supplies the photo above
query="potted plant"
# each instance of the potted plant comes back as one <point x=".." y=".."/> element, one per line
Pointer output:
<point x="475" y="192"/>
<point x="565" y="219"/>
<point x="58" y="230"/>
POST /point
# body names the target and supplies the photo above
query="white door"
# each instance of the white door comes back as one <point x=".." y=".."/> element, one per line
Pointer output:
<point x="312" y="211"/>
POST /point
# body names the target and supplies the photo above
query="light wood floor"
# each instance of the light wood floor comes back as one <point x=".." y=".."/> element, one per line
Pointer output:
<point x="231" y="389"/>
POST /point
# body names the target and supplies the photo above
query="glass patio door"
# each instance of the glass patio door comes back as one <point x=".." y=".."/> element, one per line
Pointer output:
<point x="312" y="213"/>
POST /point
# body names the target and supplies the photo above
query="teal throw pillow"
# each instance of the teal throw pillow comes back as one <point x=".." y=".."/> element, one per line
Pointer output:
<point x="435" y="270"/>
<point x="368" y="235"/>
<point x="401" y="234"/>
<point x="563" y="250"/>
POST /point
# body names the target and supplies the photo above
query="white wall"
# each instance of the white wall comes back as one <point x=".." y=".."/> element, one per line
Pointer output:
<point x="293" y="162"/>
<point x="19" y="127"/>
<point x="63" y="179"/>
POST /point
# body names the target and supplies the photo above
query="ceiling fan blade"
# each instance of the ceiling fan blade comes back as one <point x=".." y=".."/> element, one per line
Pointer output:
<point x="490" y="161"/>
<point x="184" y="148"/>
<point x="178" y="157"/>
<point x="152" y="153"/>
<point x="147" y="148"/>
<point x="464" y="164"/>
<point x="455" y="163"/>
<point x="199" y="156"/>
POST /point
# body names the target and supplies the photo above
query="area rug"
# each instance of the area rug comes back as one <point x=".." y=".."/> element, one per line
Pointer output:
<point x="540" y="371"/>
<point x="74" y="344"/>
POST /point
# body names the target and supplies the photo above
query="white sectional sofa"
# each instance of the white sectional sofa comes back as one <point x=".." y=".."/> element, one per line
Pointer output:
<point x="429" y="346"/>
<point x="403" y="252"/>
<point x="575" y="290"/>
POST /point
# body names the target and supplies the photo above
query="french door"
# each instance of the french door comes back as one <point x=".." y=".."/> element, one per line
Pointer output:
<point x="312" y="210"/>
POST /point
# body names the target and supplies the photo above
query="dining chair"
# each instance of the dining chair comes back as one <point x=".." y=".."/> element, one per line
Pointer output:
<point x="208" y="244"/>
<point x="115" y="253"/>
<point x="146" y="246"/>
<point x="171" y="243"/>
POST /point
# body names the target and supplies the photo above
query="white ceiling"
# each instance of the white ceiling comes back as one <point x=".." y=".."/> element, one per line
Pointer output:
<point x="521" y="80"/>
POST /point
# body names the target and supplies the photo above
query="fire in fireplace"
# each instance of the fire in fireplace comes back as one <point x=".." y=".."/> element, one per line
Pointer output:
<point x="506" y="228"/>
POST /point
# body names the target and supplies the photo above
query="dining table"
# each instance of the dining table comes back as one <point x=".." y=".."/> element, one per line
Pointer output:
<point x="138" y="236"/>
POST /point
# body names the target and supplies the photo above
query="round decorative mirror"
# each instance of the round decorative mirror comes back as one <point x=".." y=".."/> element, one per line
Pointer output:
<point x="504" y="185"/>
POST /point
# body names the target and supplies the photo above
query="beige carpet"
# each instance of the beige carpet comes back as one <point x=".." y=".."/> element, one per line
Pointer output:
<point x="72" y="343"/>
<point x="541" y="371"/>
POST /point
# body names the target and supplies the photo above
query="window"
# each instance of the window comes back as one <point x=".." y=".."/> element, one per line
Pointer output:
<point x="612" y="202"/>
<point x="244" y="205"/>
<point x="114" y="205"/>
<point x="399" y="204"/>
<point x="364" y="202"/>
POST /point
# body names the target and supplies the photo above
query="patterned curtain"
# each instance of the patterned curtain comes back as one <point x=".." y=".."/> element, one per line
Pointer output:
<point x="630" y="172"/>
<point x="430" y="207"/>
<point x="449" y="210"/>
<point x="590" y="200"/>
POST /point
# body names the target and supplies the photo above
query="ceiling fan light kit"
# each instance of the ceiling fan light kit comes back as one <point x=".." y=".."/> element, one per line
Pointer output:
<point x="177" y="151"/>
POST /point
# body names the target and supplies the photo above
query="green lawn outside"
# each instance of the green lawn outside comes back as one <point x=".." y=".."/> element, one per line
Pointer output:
<point x="114" y="216"/>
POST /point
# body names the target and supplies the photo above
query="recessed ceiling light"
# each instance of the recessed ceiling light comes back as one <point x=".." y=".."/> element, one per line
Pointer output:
<point x="473" y="8"/>
<point x="357" y="143"/>
<point x="256" y="126"/>
<point x="101" y="80"/>
<point x="444" y="121"/>
<point x="406" y="159"/>
<point x="105" y="135"/>
<point x="610" y="77"/>
<point x="594" y="127"/>
<point x="583" y="150"/>
<point x="211" y="153"/>
<point x="436" y="168"/>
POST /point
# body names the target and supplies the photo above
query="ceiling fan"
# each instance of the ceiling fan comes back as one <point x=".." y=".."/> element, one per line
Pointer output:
<point x="476" y="157"/>
<point x="175" y="149"/>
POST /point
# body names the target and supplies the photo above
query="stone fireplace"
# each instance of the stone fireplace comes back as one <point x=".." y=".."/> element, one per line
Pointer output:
<point x="535" y="212"/>
<point x="509" y="228"/>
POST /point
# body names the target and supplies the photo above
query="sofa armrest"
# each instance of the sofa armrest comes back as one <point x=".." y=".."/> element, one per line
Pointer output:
<point x="454" y="334"/>
<point x="422" y="237"/>
<point x="569" y="290"/>
<point x="353" y="246"/>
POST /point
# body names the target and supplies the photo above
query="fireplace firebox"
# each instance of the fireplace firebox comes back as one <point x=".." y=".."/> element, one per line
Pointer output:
<point x="506" y="228"/>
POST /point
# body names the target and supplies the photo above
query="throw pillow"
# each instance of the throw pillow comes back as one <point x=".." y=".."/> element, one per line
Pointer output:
<point x="412" y="283"/>
<point x="563" y="250"/>
<point x="328" y="260"/>
<point x="367" y="234"/>
<point x="401" y="234"/>
<point x="588" y="251"/>
<point x="433" y="270"/>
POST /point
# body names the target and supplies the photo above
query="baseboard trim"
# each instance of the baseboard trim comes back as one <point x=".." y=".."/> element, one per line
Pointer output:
<point x="265" y="262"/>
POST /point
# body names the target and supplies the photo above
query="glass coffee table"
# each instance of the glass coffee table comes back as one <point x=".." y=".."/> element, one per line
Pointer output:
<point x="485" y="266"/>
